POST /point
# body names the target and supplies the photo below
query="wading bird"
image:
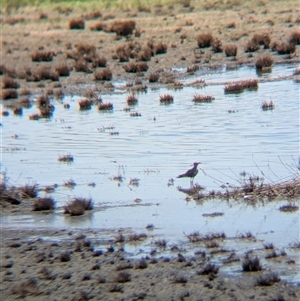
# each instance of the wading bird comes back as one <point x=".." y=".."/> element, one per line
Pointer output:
<point x="191" y="173"/>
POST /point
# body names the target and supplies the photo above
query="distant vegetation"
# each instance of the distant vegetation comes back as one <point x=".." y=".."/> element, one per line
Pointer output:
<point x="93" y="3"/>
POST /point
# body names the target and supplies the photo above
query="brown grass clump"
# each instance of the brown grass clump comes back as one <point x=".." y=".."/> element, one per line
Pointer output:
<point x="104" y="74"/>
<point x="230" y="50"/>
<point x="141" y="264"/>
<point x="251" y="46"/>
<point x="268" y="105"/>
<point x="42" y="56"/>
<point x="132" y="100"/>
<point x="133" y="67"/>
<point x="216" y="45"/>
<point x="78" y="206"/>
<point x="153" y="77"/>
<point x="9" y="94"/>
<point x="106" y="106"/>
<point x="135" y="114"/>
<point x="122" y="28"/>
<point x="285" y="48"/>
<point x="99" y="62"/>
<point x="62" y="69"/>
<point x="166" y="98"/>
<point x="264" y="61"/>
<point x="289" y="208"/>
<point x="136" y="237"/>
<point x="41" y="204"/>
<point x="18" y="111"/>
<point x="66" y="158"/>
<point x="77" y="23"/>
<point x="251" y="265"/>
<point x="209" y="269"/>
<point x="9" y="83"/>
<point x="295" y="37"/>
<point x="267" y="279"/>
<point x="82" y="66"/>
<point x="85" y="104"/>
<point x="161" y="47"/>
<point x="44" y="73"/>
<point x="28" y="287"/>
<point x="123" y="277"/>
<point x="161" y="243"/>
<point x="28" y="191"/>
<point x="262" y="39"/>
<point x="202" y="98"/>
<point x="34" y="117"/>
<point x="98" y="26"/>
<point x="204" y="40"/>
<point x="240" y="86"/>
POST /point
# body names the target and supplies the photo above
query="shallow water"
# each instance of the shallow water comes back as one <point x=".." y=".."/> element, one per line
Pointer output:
<point x="158" y="146"/>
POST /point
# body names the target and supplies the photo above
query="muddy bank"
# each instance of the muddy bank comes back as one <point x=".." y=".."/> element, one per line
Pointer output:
<point x="74" y="265"/>
<point x="65" y="50"/>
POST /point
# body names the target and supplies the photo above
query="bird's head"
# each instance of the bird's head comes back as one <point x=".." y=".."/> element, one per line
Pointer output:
<point x="196" y="163"/>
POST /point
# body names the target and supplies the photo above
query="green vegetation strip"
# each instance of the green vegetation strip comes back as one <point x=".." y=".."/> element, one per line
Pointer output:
<point x="117" y="4"/>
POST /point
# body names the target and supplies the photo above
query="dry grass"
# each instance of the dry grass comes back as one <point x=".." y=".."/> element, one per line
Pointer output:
<point x="62" y="69"/>
<point x="240" y="86"/>
<point x="41" y="204"/>
<point x="98" y="26"/>
<point x="251" y="265"/>
<point x="131" y="100"/>
<point x="166" y="98"/>
<point x="66" y="158"/>
<point x="78" y="206"/>
<point x="264" y="61"/>
<point x="77" y="23"/>
<point x="133" y="67"/>
<point x="161" y="47"/>
<point x="216" y="45"/>
<point x="204" y="40"/>
<point x="262" y="39"/>
<point x="285" y="48"/>
<point x="295" y="37"/>
<point x="9" y="83"/>
<point x="42" y="56"/>
<point x="9" y="94"/>
<point x="199" y="98"/>
<point x="99" y="62"/>
<point x="251" y="46"/>
<point x="108" y="106"/>
<point x="85" y="104"/>
<point x="103" y="75"/>
<point x="121" y="28"/>
<point x="267" y="279"/>
<point x="268" y="105"/>
<point x="196" y="237"/>
<point x="230" y="50"/>
<point x="28" y="191"/>
<point x="153" y="77"/>
<point x="289" y="208"/>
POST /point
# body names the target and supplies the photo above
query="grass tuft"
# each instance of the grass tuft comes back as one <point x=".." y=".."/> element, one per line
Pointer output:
<point x="204" y="40"/>
<point x="78" y="206"/>
<point x="268" y="105"/>
<point x="267" y="279"/>
<point x="251" y="265"/>
<point x="76" y="23"/>
<point x="41" y="204"/>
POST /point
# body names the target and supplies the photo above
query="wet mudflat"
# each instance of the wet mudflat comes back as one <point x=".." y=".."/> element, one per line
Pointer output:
<point x="127" y="165"/>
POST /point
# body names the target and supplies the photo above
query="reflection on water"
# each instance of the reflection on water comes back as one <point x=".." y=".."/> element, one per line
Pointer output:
<point x="157" y="146"/>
